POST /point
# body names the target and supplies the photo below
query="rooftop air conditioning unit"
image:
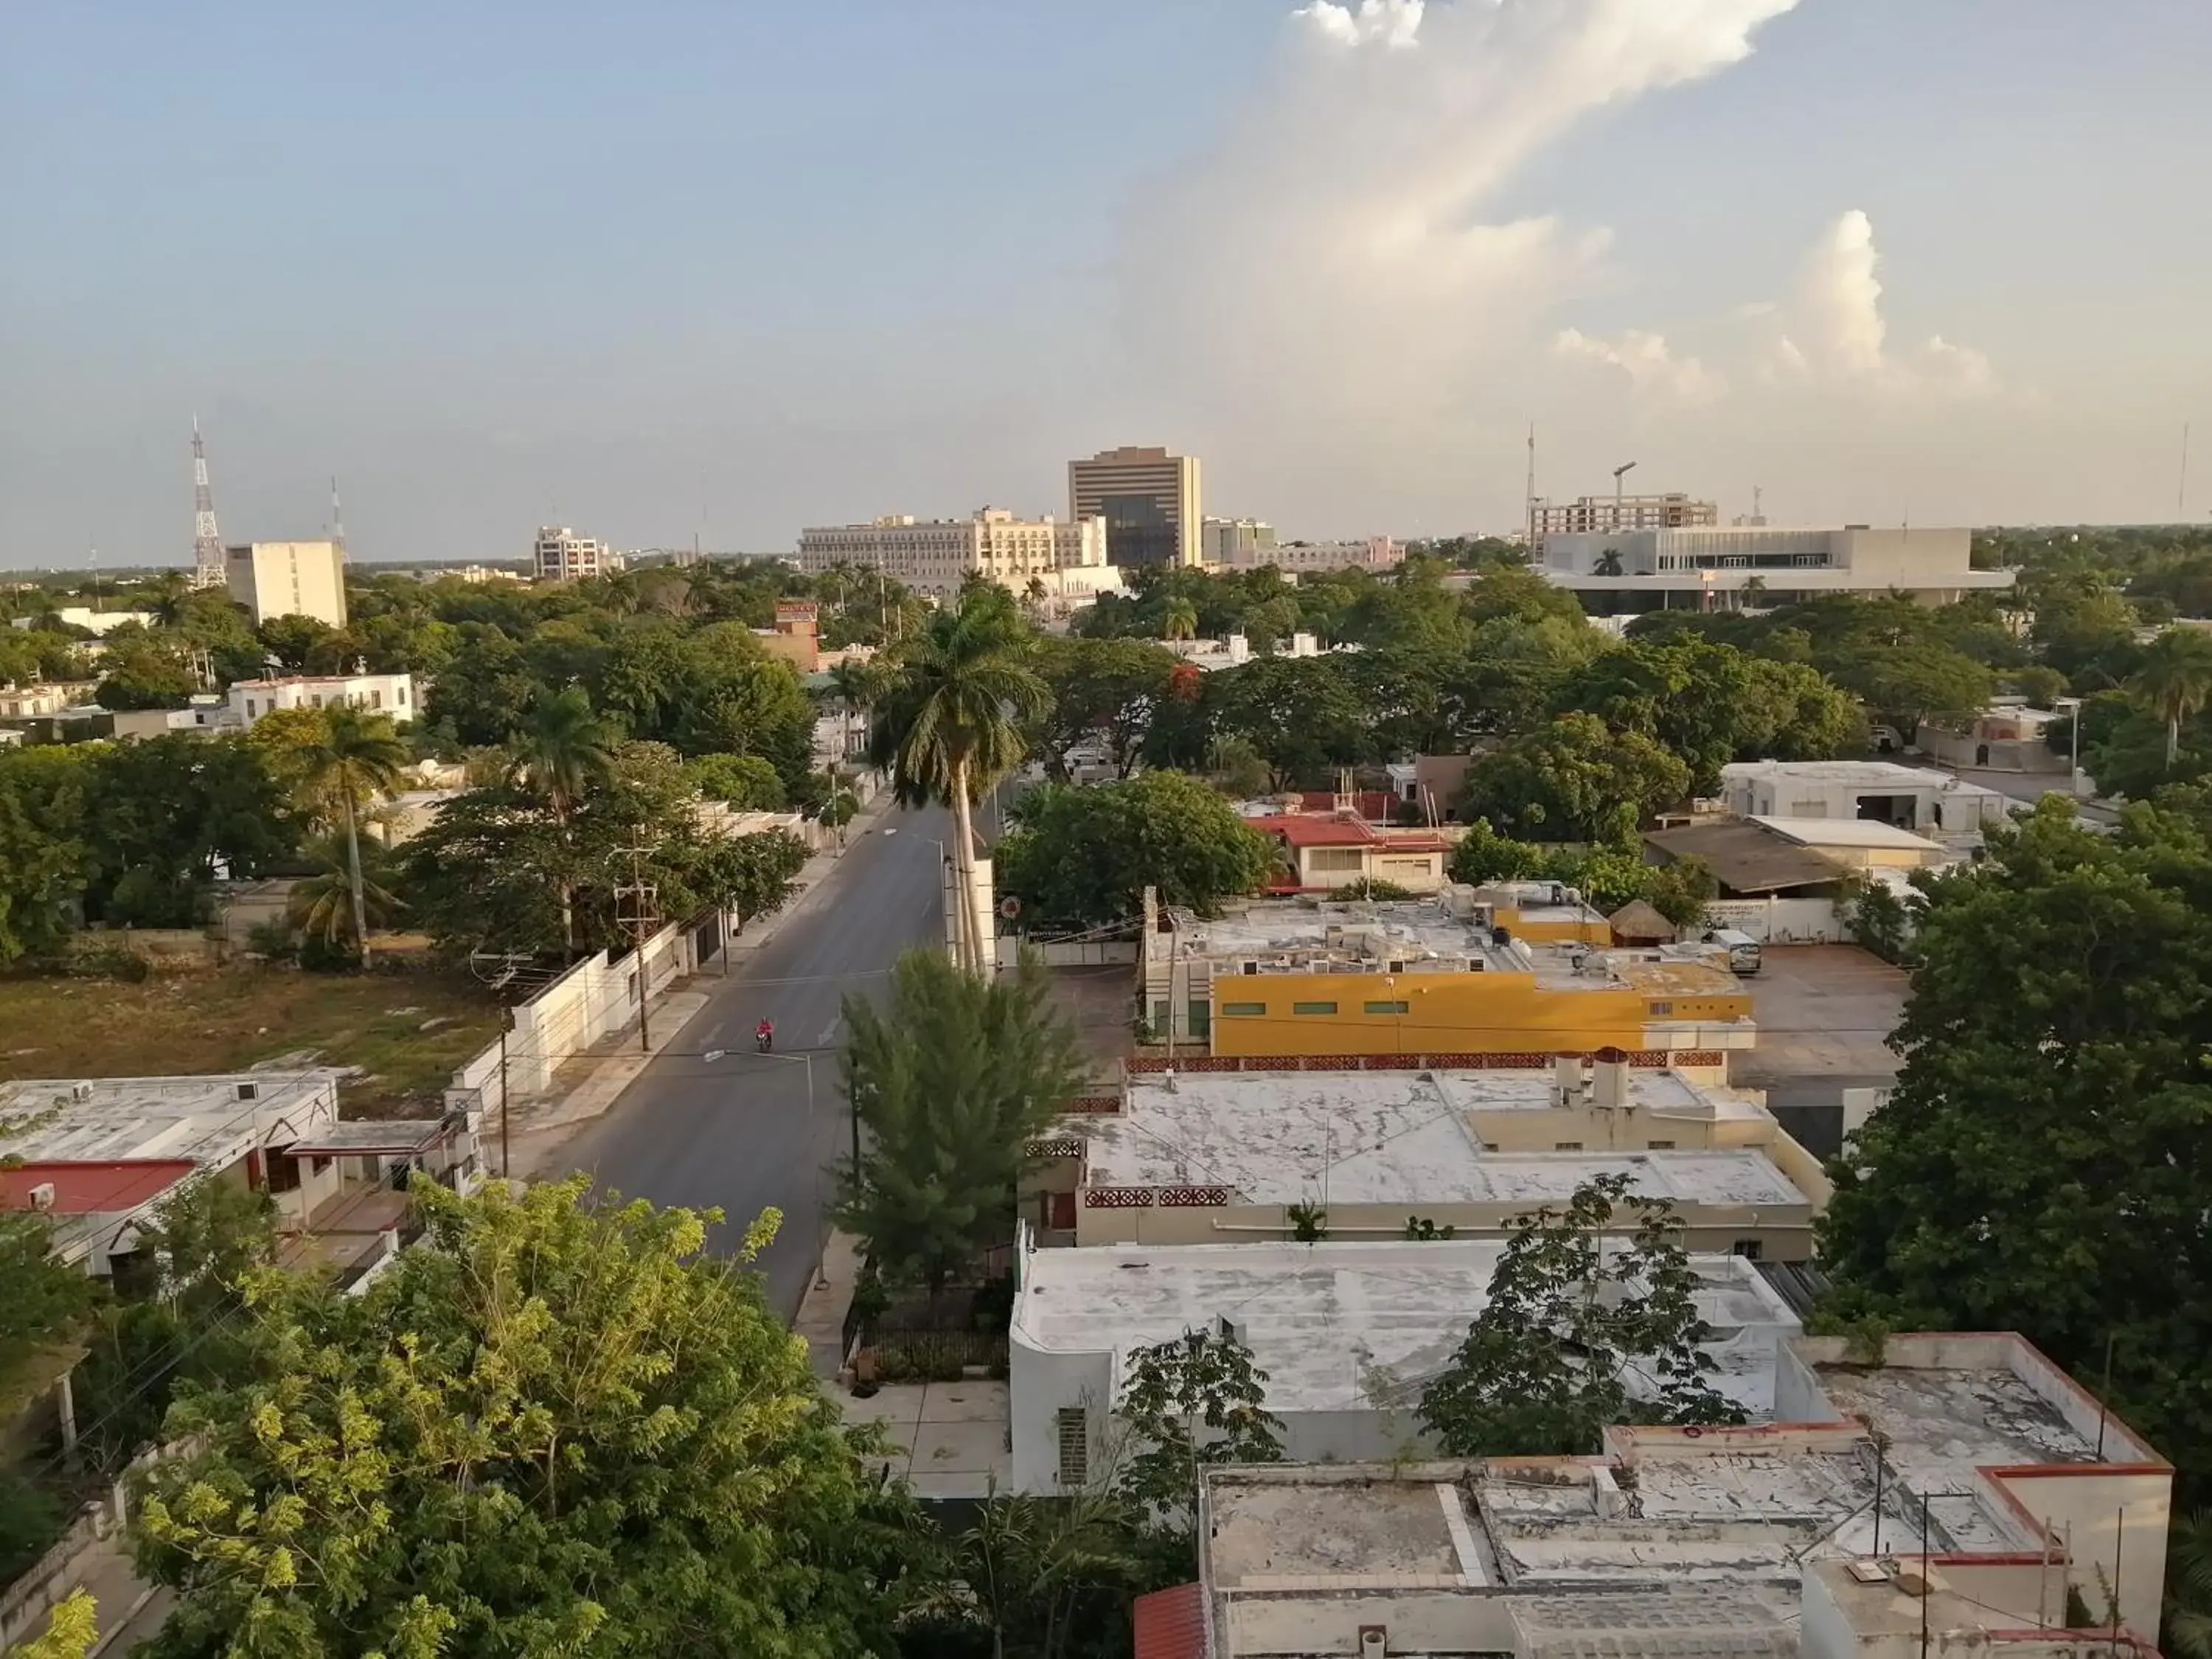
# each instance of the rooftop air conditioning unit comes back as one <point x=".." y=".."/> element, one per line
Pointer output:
<point x="249" y="1092"/>
<point x="80" y="1092"/>
<point x="42" y="1196"/>
<point x="1249" y="965"/>
<point x="1397" y="965"/>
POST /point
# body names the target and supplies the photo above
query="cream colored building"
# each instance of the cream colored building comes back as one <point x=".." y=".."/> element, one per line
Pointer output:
<point x="1151" y="502"/>
<point x="1670" y="510"/>
<point x="935" y="556"/>
<point x="288" y="578"/>
<point x="1293" y="558"/>
<point x="1226" y="541"/>
<point x="392" y="695"/>
<point x="560" y="554"/>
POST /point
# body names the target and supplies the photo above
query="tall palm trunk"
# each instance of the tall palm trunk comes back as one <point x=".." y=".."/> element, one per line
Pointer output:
<point x="963" y="870"/>
<point x="2172" y="736"/>
<point x="353" y="874"/>
<point x="566" y="888"/>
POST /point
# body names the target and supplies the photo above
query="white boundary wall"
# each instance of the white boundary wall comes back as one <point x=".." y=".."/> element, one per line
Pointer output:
<point x="1781" y="920"/>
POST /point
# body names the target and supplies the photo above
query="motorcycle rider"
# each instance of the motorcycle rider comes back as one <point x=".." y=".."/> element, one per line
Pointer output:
<point x="765" y="1034"/>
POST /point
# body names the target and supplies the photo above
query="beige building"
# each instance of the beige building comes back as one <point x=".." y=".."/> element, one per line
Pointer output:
<point x="385" y="693"/>
<point x="288" y="578"/>
<point x="1296" y="558"/>
<point x="560" y="554"/>
<point x="935" y="556"/>
<point x="1225" y="541"/>
<point x="1945" y="1494"/>
<point x="1670" y="510"/>
<point x="1223" y="1158"/>
<point x="1150" y="500"/>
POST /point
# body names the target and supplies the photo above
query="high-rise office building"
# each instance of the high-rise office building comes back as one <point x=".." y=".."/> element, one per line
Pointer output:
<point x="1149" y="500"/>
<point x="288" y="578"/>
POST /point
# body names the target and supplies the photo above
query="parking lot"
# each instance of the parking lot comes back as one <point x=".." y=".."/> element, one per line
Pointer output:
<point x="1824" y="1014"/>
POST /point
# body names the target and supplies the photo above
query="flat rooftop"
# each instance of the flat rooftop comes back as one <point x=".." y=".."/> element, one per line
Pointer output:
<point x="1335" y="1325"/>
<point x="1847" y="832"/>
<point x="1395" y="1137"/>
<point x="1866" y="774"/>
<point x="193" y="1118"/>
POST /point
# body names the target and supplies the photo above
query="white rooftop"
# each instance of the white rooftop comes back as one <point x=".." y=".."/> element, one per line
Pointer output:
<point x="1862" y="773"/>
<point x="1331" y="1323"/>
<point x="207" y="1119"/>
<point x="1847" y="832"/>
<point x="1393" y="1138"/>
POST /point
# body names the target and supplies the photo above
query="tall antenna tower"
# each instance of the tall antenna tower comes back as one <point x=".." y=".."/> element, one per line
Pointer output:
<point x="337" y="523"/>
<point x="1529" y="500"/>
<point x="207" y="541"/>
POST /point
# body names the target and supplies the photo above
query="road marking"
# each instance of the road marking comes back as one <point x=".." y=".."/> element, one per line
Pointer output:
<point x="829" y="1033"/>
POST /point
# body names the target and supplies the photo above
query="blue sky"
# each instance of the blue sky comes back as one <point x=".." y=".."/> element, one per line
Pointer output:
<point x="666" y="269"/>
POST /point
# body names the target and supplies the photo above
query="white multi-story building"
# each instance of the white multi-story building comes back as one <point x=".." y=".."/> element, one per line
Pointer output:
<point x="1294" y="558"/>
<point x="560" y="554"/>
<point x="935" y="555"/>
<point x="385" y="694"/>
<point x="1710" y="567"/>
<point x="288" y="578"/>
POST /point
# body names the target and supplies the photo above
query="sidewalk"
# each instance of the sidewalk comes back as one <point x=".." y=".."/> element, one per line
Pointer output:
<point x="590" y="1083"/>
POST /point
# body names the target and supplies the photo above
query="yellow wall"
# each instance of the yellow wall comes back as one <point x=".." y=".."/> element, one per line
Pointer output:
<point x="1556" y="930"/>
<point x="1486" y="1012"/>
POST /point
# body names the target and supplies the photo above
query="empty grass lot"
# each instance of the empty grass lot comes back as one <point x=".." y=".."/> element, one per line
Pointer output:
<point x="229" y="1020"/>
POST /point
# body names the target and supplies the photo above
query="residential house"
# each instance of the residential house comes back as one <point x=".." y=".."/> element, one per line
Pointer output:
<point x="387" y="693"/>
<point x="1915" y="797"/>
<point x="2006" y="738"/>
<point x="1320" y="852"/>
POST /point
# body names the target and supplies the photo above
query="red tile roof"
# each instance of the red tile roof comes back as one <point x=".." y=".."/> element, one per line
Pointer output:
<point x="93" y="1187"/>
<point x="1172" y="1623"/>
<point x="1310" y="829"/>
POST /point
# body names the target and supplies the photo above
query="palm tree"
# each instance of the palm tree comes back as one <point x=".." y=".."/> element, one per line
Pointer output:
<point x="168" y="599"/>
<point x="1036" y="593"/>
<point x="948" y="723"/>
<point x="355" y="760"/>
<point x="562" y="752"/>
<point x="2188" y="1624"/>
<point x="1179" y="620"/>
<point x="1608" y="563"/>
<point x="855" y="684"/>
<point x="2176" y="679"/>
<point x="331" y="903"/>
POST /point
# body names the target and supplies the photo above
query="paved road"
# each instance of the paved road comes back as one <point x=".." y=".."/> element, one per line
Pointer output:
<point x="739" y="1132"/>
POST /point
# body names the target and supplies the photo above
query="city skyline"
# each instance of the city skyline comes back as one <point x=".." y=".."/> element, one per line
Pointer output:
<point x="1893" y="264"/>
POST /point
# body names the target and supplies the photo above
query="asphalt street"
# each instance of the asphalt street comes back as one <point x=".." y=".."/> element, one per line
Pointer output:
<point x="740" y="1131"/>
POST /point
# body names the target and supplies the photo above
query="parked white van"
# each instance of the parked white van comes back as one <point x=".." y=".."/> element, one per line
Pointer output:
<point x="1742" y="949"/>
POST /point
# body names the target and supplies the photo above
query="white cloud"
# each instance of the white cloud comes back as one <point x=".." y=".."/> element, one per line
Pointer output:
<point x="1647" y="360"/>
<point x="1334" y="245"/>
<point x="1832" y="331"/>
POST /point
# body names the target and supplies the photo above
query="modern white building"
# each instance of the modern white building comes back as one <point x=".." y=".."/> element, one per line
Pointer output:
<point x="385" y="693"/>
<point x="84" y="616"/>
<point x="1226" y="540"/>
<point x="1951" y="1494"/>
<point x="935" y="556"/>
<point x="288" y="578"/>
<point x="2009" y="738"/>
<point x="1914" y="798"/>
<point x="1710" y="566"/>
<point x="1347" y="1333"/>
<point x="560" y="554"/>
<point x="1313" y="558"/>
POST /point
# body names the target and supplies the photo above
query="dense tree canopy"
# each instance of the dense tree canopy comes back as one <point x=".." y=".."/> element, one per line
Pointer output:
<point x="1574" y="778"/>
<point x="1076" y="858"/>
<point x="555" y="1426"/>
<point x="2043" y="1164"/>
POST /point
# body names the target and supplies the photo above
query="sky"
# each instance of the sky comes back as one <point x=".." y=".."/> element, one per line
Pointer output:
<point x="722" y="269"/>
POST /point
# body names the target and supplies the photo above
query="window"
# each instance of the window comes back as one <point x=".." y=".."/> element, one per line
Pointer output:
<point x="1660" y="1009"/>
<point x="1313" y="1007"/>
<point x="1160" y="1015"/>
<point x="1244" y="1010"/>
<point x="1337" y="858"/>
<point x="1566" y="1147"/>
<point x="283" y="1173"/>
<point x="1389" y="1007"/>
<point x="1074" y="1425"/>
<point x="1659" y="1145"/>
<point x="1748" y="1249"/>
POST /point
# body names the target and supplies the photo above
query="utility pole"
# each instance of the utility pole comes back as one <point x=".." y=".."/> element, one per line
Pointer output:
<point x="634" y="913"/>
<point x="1619" y="473"/>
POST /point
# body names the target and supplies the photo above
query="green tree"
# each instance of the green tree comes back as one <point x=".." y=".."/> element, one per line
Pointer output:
<point x="2042" y="1163"/>
<point x="1043" y="1578"/>
<point x="2175" y="680"/>
<point x="948" y="726"/>
<point x="41" y="1300"/>
<point x="162" y="814"/>
<point x="1302" y="715"/>
<point x="358" y="761"/>
<point x="950" y="1082"/>
<point x="1570" y="1320"/>
<point x="1484" y="856"/>
<point x="564" y="750"/>
<point x="1191" y="1403"/>
<point x="142" y="672"/>
<point x="351" y="886"/>
<point x="557" y="1425"/>
<point x="44" y="860"/>
<point x="1103" y="689"/>
<point x="1574" y="780"/>
<point x="72" y="1629"/>
<point x="745" y="782"/>
<point x="292" y="640"/>
<point x="1179" y="620"/>
<point x="1080" y="857"/>
<point x="754" y="875"/>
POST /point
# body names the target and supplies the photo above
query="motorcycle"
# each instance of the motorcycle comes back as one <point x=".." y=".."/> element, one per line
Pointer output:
<point x="763" y="1040"/>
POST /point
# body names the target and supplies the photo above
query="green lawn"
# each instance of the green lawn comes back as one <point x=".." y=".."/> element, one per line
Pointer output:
<point x="227" y="1021"/>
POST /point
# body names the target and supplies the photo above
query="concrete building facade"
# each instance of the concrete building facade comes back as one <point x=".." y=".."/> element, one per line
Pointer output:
<point x="1607" y="514"/>
<point x="250" y="700"/>
<point x="1952" y="1494"/>
<point x="1520" y="969"/>
<point x="1915" y="797"/>
<point x="1150" y="500"/>
<point x="1711" y="566"/>
<point x="935" y="556"/>
<point x="1227" y="541"/>
<point x="560" y="554"/>
<point x="1315" y="558"/>
<point x="288" y="578"/>
<point x="2009" y="738"/>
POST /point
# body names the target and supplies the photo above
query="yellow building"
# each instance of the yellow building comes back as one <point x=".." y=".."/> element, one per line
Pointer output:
<point x="1474" y="973"/>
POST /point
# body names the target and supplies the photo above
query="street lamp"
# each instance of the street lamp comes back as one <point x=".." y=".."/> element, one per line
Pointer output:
<point x="1619" y="473"/>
